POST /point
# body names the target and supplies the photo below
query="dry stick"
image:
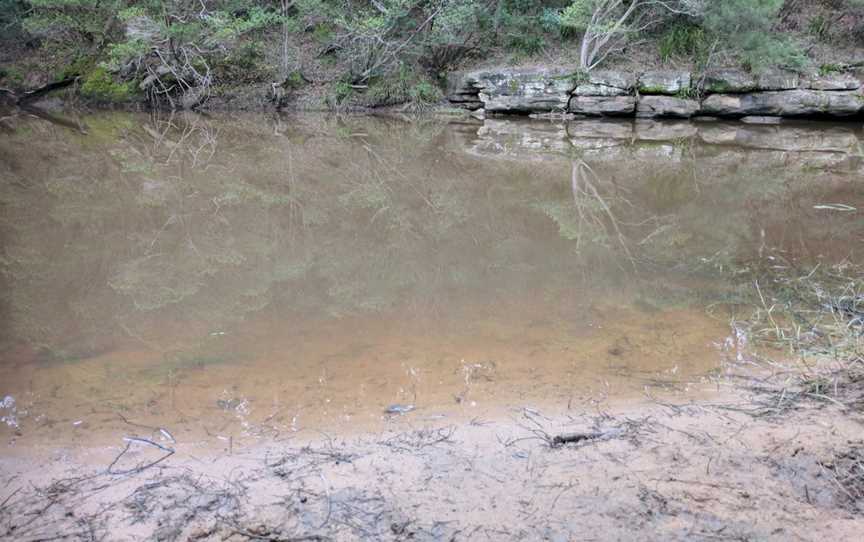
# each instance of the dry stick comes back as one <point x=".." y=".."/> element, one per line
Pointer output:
<point x="161" y="430"/>
<point x="568" y="438"/>
<point x="64" y="536"/>
<point x="21" y="528"/>
<point x="129" y="440"/>
<point x="826" y="398"/>
<point x="6" y="500"/>
<point x="275" y="538"/>
<point x="329" y="501"/>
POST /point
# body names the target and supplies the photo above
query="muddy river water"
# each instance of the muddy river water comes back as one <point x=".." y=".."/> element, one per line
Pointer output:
<point x="229" y="278"/>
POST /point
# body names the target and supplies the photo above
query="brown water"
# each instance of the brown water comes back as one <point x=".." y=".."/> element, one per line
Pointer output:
<point x="236" y="277"/>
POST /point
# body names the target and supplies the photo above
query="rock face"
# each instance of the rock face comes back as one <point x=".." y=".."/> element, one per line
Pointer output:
<point x="606" y="83"/>
<point x="603" y="105"/>
<point x="515" y="91"/>
<point x="464" y="94"/>
<point x="728" y="81"/>
<point x="831" y="82"/>
<point x="790" y="103"/>
<point x="666" y="106"/>
<point x="659" y="93"/>
<point x="778" y="80"/>
<point x="664" y="82"/>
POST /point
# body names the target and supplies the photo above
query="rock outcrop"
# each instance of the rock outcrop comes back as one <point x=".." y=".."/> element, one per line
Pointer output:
<point x="664" y="82"/>
<point x="666" y="106"/>
<point x="832" y="82"/>
<point x="603" y="105"/>
<point x="786" y="103"/>
<point x="606" y="83"/>
<point x="659" y="93"/>
<point x="778" y="80"/>
<point x="516" y="91"/>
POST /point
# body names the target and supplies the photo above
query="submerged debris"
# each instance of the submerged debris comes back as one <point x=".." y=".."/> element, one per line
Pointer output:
<point x="228" y="404"/>
<point x="398" y="409"/>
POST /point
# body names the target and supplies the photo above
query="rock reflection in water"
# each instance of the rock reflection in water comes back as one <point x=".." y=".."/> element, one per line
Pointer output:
<point x="317" y="269"/>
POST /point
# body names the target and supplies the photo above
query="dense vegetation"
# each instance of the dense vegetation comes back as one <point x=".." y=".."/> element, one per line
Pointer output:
<point x="382" y="52"/>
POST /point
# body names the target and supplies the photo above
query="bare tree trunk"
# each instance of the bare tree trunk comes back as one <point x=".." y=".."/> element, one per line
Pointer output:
<point x="499" y="6"/>
<point x="612" y="18"/>
<point x="285" y="5"/>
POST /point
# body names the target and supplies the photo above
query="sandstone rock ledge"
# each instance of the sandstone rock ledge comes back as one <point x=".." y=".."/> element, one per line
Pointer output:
<point x="659" y="93"/>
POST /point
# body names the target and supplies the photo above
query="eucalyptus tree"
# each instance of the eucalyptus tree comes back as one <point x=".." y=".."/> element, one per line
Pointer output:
<point x="607" y="25"/>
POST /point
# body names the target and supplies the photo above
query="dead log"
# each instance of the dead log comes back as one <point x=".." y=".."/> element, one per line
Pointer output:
<point x="10" y="98"/>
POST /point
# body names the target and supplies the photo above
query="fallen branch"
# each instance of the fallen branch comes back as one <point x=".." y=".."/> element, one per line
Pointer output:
<point x="31" y="95"/>
<point x="7" y="499"/>
<point x="570" y="438"/>
<point x="131" y="440"/>
<point x="161" y="430"/>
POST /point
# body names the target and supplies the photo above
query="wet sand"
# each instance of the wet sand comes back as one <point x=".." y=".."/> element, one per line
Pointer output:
<point x="651" y="471"/>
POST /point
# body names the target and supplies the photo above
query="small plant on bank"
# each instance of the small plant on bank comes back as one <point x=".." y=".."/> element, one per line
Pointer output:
<point x="684" y="40"/>
<point x="830" y="69"/>
<point x="744" y="29"/>
<point x="99" y="85"/>
<point x="404" y="86"/>
<point x="342" y="90"/>
<point x="815" y="316"/>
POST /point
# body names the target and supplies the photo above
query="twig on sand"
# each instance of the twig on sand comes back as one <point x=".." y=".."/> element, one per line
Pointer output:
<point x="161" y="430"/>
<point x="569" y="438"/>
<point x="277" y="538"/>
<point x="131" y="440"/>
<point x="329" y="501"/>
<point x="8" y="498"/>
<point x="416" y="440"/>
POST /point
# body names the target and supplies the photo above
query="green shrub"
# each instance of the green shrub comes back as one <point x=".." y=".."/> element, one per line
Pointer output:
<point x="121" y="53"/>
<point x="99" y="85"/>
<point x="525" y="44"/>
<point x="78" y="22"/>
<point x="342" y="90"/>
<point x="550" y="22"/>
<point x="404" y="86"/>
<point x="322" y="32"/>
<point x="294" y="80"/>
<point x="81" y="64"/>
<point x="244" y="63"/>
<point x="684" y="40"/>
<point x="11" y="18"/>
<point x="577" y="16"/>
<point x="12" y="76"/>
<point x="425" y="92"/>
<point x="819" y="27"/>
<point x="747" y="28"/>
<point x="389" y="90"/>
<point x="828" y="69"/>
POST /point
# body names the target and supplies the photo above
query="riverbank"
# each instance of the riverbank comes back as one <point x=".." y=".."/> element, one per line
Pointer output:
<point x="786" y="60"/>
<point x="658" y="93"/>
<point x="742" y="467"/>
<point x="567" y="94"/>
